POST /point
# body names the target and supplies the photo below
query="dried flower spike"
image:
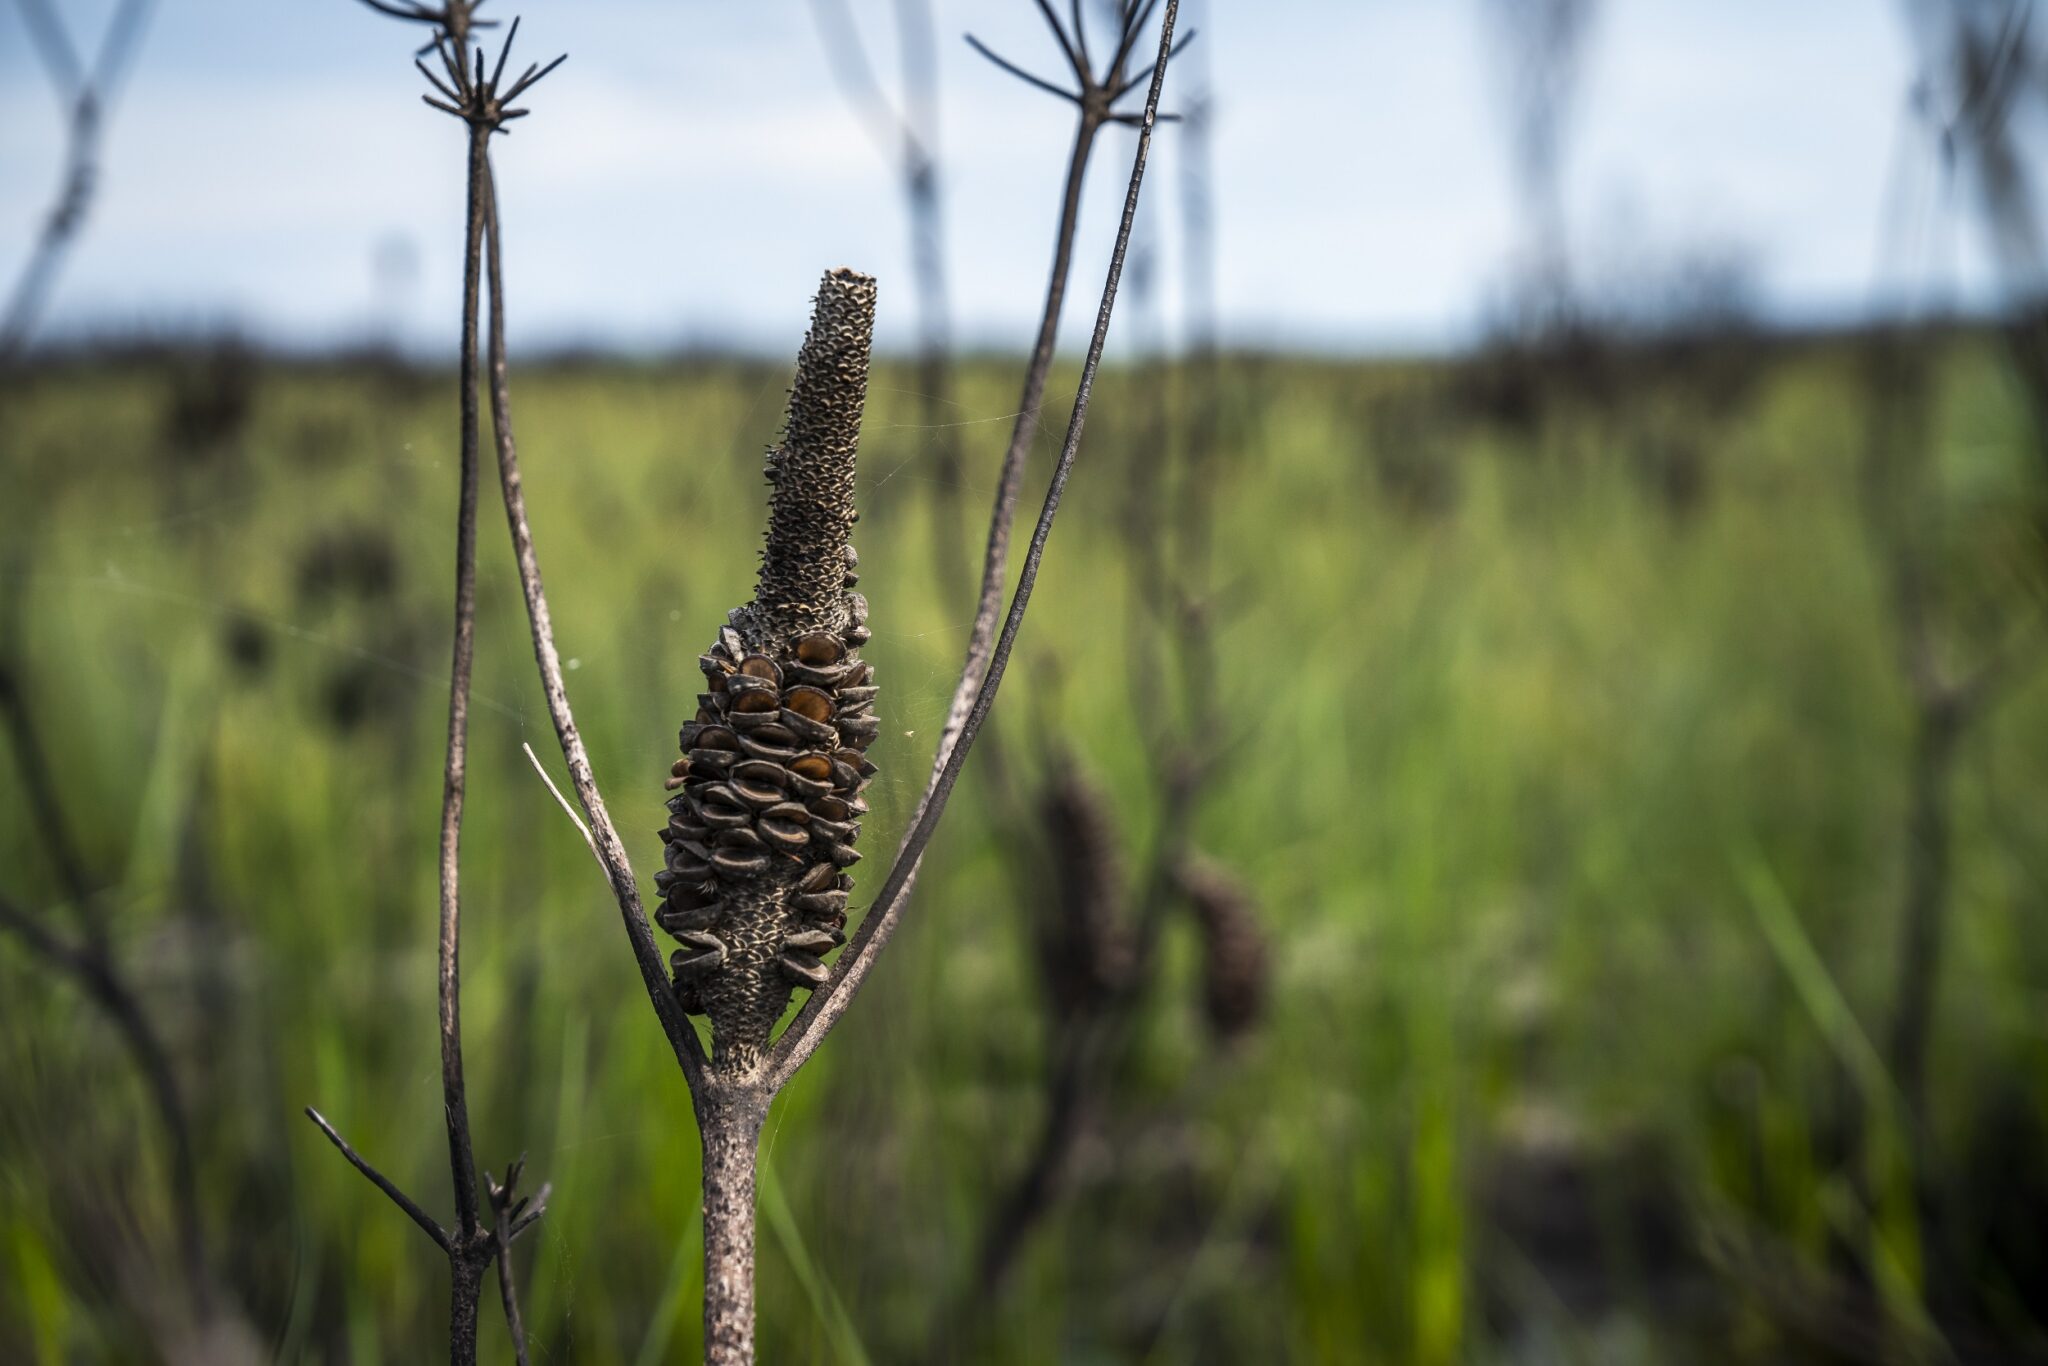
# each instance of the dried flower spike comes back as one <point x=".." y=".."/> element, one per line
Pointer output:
<point x="773" y="763"/>
<point x="1084" y="946"/>
<point x="1234" y="958"/>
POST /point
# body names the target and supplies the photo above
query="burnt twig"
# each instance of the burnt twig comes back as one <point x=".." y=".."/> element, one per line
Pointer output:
<point x="484" y="102"/>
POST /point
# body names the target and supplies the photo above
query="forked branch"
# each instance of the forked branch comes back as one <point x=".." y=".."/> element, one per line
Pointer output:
<point x="484" y="103"/>
<point x="826" y="1006"/>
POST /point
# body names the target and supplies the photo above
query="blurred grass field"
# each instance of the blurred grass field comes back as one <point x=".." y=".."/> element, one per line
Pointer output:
<point x="1574" y="811"/>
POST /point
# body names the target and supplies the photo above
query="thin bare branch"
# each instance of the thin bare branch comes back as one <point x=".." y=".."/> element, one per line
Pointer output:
<point x="530" y="79"/>
<point x="470" y="1245"/>
<point x="455" y="1101"/>
<point x="1020" y="73"/>
<point x="1075" y="62"/>
<point x="383" y="1183"/>
<point x="563" y="802"/>
<point x="1135" y="20"/>
<point x="611" y="852"/>
<point x="509" y="1214"/>
<point x="1145" y="75"/>
<point x="827" y="1005"/>
<point x="439" y="84"/>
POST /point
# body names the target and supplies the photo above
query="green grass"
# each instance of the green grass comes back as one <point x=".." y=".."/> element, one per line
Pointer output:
<point x="1575" y="821"/>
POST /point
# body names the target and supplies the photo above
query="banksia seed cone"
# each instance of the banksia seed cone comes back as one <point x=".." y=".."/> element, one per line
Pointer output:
<point x="773" y="765"/>
<point x="1234" y="966"/>
<point x="1084" y="952"/>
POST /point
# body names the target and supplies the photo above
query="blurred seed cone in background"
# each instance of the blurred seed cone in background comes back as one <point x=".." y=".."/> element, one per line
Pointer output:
<point x="773" y="764"/>
<point x="1085" y="953"/>
<point x="1234" y="957"/>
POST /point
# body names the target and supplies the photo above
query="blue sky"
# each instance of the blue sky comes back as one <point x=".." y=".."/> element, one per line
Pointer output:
<point x="691" y="169"/>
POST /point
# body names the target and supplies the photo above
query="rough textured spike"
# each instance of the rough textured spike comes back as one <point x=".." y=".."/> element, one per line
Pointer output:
<point x="810" y="515"/>
<point x="778" y="714"/>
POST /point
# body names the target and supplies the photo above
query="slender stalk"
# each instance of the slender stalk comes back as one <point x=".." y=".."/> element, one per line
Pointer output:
<point x="729" y="1120"/>
<point x="603" y="836"/>
<point x="828" y="1004"/>
<point x="1010" y="479"/>
<point x="465" y="1297"/>
<point x="471" y="1244"/>
<point x="454" y="777"/>
<point x="508" y="1287"/>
